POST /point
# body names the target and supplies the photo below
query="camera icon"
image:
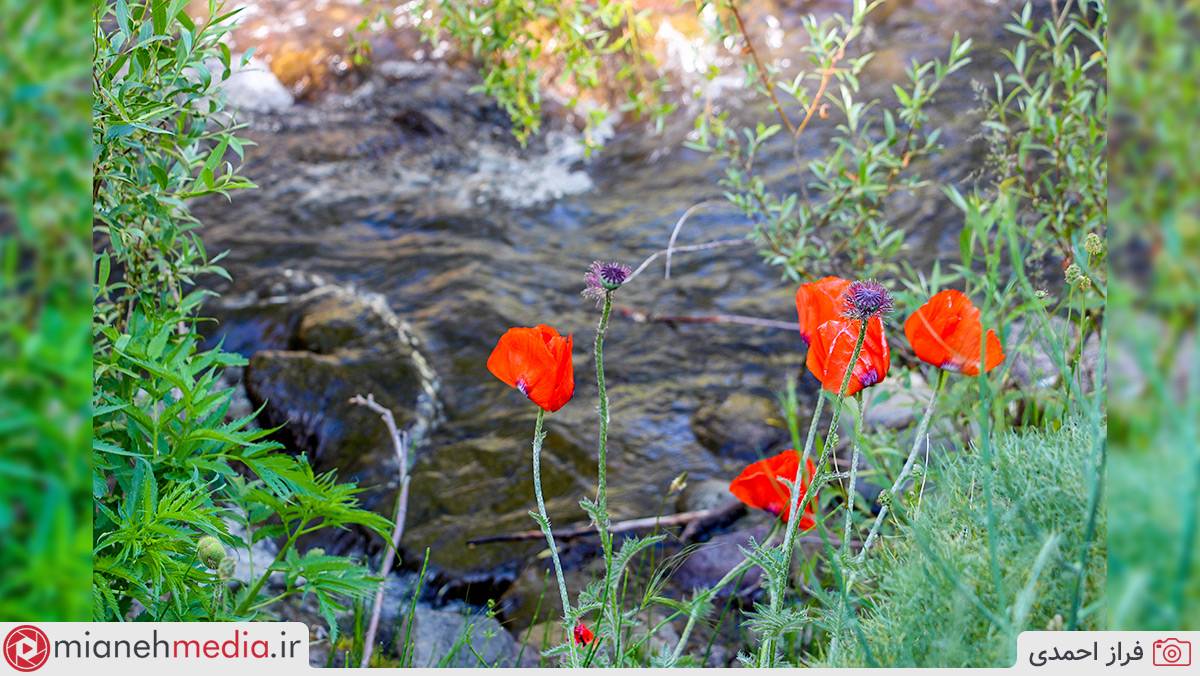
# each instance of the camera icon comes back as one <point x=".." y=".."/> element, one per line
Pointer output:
<point x="1171" y="652"/>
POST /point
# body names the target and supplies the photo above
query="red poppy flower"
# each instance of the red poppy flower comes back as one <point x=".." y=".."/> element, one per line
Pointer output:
<point x="833" y="345"/>
<point x="760" y="486"/>
<point x="583" y="635"/>
<point x="946" y="332"/>
<point x="818" y="302"/>
<point x="537" y="362"/>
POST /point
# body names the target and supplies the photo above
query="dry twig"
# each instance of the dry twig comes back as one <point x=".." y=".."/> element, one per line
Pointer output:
<point x="400" y="443"/>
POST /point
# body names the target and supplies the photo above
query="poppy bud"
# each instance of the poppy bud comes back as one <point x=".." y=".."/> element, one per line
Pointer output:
<point x="210" y="551"/>
<point x="885" y="498"/>
<point x="678" y="484"/>
<point x="582" y="634"/>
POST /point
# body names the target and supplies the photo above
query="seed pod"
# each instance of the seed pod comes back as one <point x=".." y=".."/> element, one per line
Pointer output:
<point x="210" y="551"/>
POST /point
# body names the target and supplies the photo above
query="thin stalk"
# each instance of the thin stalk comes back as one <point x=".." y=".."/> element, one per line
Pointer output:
<point x="856" y="444"/>
<point x="778" y="587"/>
<point x="248" y="599"/>
<point x="539" y="435"/>
<point x="922" y="431"/>
<point x="985" y="441"/>
<point x="846" y="579"/>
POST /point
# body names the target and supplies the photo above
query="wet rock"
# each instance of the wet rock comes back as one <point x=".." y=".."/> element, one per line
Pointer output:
<point x="443" y="638"/>
<point x="713" y="559"/>
<point x="705" y="494"/>
<point x="312" y="345"/>
<point x="741" y="425"/>
<point x="520" y="602"/>
<point x="1034" y="367"/>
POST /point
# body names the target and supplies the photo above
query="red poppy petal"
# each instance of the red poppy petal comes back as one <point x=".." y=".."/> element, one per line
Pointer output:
<point x="536" y="361"/>
<point x="946" y="333"/>
<point x="833" y="346"/>
<point x="818" y="302"/>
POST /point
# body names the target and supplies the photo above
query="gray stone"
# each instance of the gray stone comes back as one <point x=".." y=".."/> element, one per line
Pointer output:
<point x="897" y="402"/>
<point x="705" y="494"/>
<point x="739" y="426"/>
<point x="457" y="640"/>
<point x="253" y="87"/>
<point x="715" y="558"/>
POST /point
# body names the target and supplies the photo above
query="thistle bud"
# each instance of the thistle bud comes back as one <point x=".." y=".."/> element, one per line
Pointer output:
<point x="210" y="551"/>
<point x="866" y="299"/>
<point x="604" y="278"/>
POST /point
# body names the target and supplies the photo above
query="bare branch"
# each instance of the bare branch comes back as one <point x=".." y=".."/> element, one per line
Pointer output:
<point x="679" y="226"/>
<point x="643" y="317"/>
<point x="400" y="444"/>
<point x="715" y="244"/>
<point x="703" y="516"/>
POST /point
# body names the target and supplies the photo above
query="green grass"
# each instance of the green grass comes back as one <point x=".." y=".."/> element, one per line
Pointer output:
<point x="933" y="604"/>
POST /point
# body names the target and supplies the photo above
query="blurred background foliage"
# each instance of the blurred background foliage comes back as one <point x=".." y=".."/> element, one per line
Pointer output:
<point x="45" y="342"/>
<point x="1154" y="406"/>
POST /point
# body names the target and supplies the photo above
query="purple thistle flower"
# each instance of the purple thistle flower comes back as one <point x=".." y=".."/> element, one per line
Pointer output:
<point x="866" y="299"/>
<point x="602" y="278"/>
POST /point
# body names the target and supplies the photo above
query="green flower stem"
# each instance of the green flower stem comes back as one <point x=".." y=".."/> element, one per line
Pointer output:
<point x="852" y="577"/>
<point x="856" y="444"/>
<point x="778" y="587"/>
<point x="539" y="435"/>
<point x="602" y="526"/>
<point x="698" y="602"/>
<point x="922" y="430"/>
<point x="248" y="600"/>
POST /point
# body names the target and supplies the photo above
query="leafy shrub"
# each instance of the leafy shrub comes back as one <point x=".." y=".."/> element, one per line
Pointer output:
<point x="171" y="475"/>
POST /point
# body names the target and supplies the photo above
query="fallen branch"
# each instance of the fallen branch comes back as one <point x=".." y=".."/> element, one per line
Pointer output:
<point x="692" y="521"/>
<point x="643" y="317"/>
<point x="679" y="226"/>
<point x="715" y="244"/>
<point x="400" y="443"/>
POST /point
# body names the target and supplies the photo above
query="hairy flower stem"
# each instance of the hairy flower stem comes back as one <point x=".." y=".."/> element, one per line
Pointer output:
<point x="539" y="435"/>
<point x="766" y="653"/>
<point x="602" y="524"/>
